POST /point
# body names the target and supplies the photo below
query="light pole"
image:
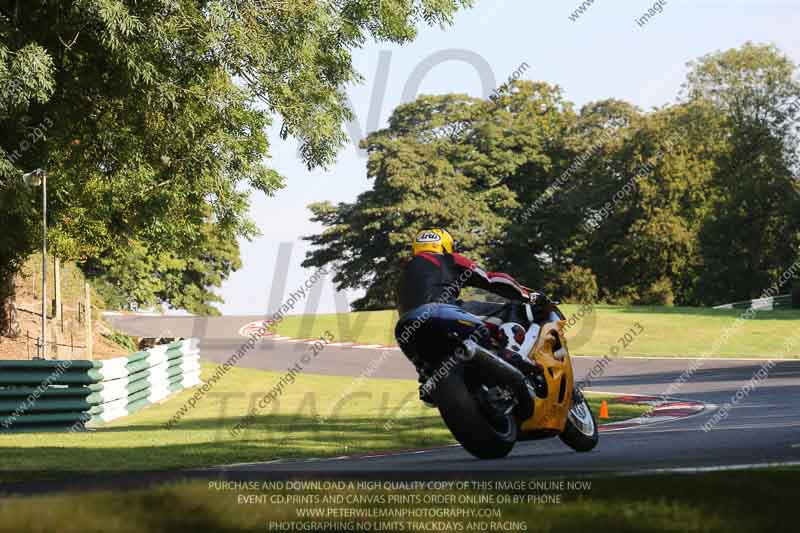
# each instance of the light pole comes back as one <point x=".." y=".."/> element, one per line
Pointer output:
<point x="34" y="179"/>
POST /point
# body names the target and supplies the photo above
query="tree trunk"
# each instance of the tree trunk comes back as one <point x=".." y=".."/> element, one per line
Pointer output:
<point x="9" y="325"/>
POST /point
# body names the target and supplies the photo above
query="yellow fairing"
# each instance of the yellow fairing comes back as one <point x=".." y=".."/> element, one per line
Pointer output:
<point x="551" y="412"/>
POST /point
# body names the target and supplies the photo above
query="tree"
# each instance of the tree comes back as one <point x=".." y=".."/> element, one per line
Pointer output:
<point x="146" y="113"/>
<point x="418" y="183"/>
<point x="25" y="80"/>
<point x="547" y="236"/>
<point x="575" y="285"/>
<point x="134" y="276"/>
<point x="645" y="212"/>
<point x="752" y="232"/>
<point x="443" y="161"/>
<point x="691" y="203"/>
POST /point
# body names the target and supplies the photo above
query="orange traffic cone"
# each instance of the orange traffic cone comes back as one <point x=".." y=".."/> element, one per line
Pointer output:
<point x="603" y="409"/>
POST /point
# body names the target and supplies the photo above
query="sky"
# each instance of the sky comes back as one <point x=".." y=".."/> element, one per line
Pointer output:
<point x="604" y="53"/>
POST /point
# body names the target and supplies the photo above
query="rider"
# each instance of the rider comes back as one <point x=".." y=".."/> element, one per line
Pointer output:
<point x="435" y="275"/>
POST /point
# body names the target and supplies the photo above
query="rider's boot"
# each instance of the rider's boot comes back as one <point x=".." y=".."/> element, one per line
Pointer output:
<point x="422" y="378"/>
<point x="425" y="394"/>
<point x="532" y="371"/>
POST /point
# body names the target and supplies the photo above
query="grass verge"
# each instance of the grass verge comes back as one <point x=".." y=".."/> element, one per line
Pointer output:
<point x="652" y="331"/>
<point x="290" y="427"/>
<point x="719" y="502"/>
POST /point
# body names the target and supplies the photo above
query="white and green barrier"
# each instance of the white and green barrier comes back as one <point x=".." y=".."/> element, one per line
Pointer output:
<point x="43" y="394"/>
<point x="764" y="304"/>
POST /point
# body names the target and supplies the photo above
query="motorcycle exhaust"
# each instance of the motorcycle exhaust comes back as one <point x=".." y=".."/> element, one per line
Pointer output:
<point x="503" y="373"/>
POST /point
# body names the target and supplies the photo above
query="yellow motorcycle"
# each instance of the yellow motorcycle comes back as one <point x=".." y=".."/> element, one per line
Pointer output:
<point x="496" y="381"/>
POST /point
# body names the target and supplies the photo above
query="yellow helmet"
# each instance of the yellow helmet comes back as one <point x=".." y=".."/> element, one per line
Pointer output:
<point x="435" y="240"/>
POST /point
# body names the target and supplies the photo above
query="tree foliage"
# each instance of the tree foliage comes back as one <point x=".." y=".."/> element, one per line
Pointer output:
<point x="691" y="203"/>
<point x="752" y="232"/>
<point x="150" y="118"/>
<point x="140" y="275"/>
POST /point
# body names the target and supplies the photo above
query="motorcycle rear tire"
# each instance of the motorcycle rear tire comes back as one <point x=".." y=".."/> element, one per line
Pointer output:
<point x="467" y="422"/>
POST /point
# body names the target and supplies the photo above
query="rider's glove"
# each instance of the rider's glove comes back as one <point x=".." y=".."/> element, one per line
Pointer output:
<point x="538" y="299"/>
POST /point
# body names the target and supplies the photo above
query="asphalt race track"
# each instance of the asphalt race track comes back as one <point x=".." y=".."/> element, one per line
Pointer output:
<point x="762" y="427"/>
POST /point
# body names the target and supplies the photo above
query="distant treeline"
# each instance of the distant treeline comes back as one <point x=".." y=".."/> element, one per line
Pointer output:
<point x="694" y="203"/>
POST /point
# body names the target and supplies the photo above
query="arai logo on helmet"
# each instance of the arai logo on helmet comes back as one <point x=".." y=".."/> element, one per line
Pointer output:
<point x="428" y="236"/>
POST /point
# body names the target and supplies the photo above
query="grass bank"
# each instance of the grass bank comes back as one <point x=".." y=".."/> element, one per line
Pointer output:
<point x="652" y="331"/>
<point x="67" y="334"/>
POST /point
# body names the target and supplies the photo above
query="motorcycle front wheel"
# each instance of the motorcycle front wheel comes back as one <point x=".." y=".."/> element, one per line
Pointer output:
<point x="580" y="432"/>
<point x="483" y="434"/>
